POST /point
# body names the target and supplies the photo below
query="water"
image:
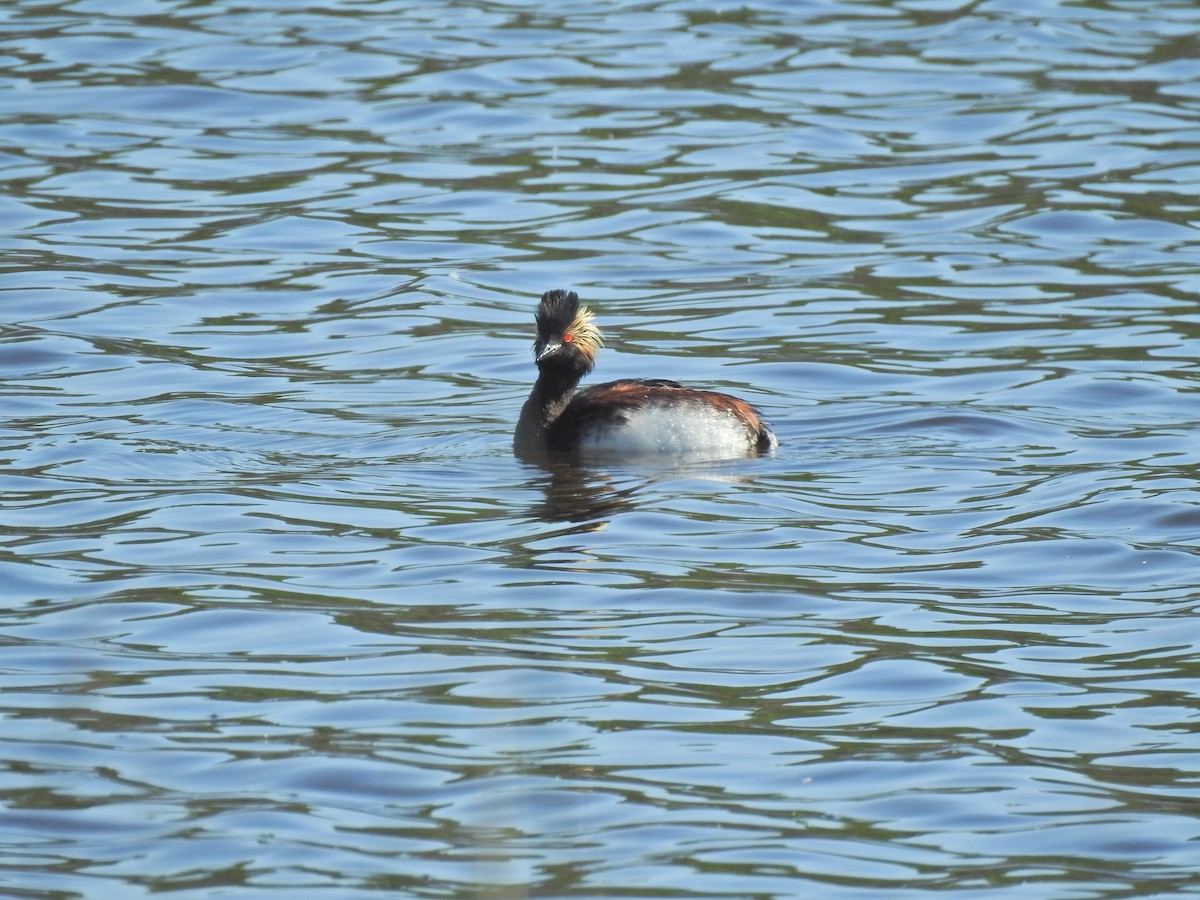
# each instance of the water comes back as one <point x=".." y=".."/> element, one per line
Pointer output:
<point x="283" y="617"/>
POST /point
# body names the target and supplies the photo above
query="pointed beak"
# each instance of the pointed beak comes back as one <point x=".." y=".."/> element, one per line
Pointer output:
<point x="543" y="349"/>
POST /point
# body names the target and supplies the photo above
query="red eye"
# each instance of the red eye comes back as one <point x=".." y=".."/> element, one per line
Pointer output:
<point x="568" y="337"/>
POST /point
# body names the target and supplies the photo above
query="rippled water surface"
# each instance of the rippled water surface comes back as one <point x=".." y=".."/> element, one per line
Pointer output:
<point x="283" y="616"/>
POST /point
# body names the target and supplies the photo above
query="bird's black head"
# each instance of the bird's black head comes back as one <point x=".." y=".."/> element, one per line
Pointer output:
<point x="566" y="333"/>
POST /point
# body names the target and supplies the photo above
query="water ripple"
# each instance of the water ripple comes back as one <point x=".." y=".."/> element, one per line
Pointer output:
<point x="282" y="613"/>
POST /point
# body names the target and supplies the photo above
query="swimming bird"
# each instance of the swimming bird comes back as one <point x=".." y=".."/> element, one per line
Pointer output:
<point x="628" y="417"/>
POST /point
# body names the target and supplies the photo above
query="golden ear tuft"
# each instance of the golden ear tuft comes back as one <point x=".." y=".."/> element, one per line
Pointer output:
<point x="584" y="333"/>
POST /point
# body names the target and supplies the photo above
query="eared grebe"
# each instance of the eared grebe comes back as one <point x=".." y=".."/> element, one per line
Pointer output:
<point x="628" y="417"/>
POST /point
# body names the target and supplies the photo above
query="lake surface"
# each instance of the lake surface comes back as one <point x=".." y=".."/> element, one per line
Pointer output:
<point x="282" y="615"/>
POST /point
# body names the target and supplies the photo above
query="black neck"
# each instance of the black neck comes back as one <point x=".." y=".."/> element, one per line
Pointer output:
<point x="550" y="395"/>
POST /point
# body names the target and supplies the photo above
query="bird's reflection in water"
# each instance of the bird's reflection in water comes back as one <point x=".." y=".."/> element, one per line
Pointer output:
<point x="584" y="494"/>
<point x="589" y="491"/>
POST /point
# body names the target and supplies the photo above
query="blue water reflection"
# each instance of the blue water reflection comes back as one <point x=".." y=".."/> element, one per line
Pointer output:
<point x="284" y="616"/>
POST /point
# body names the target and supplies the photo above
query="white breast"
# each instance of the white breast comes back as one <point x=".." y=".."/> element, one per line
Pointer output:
<point x="691" y="429"/>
